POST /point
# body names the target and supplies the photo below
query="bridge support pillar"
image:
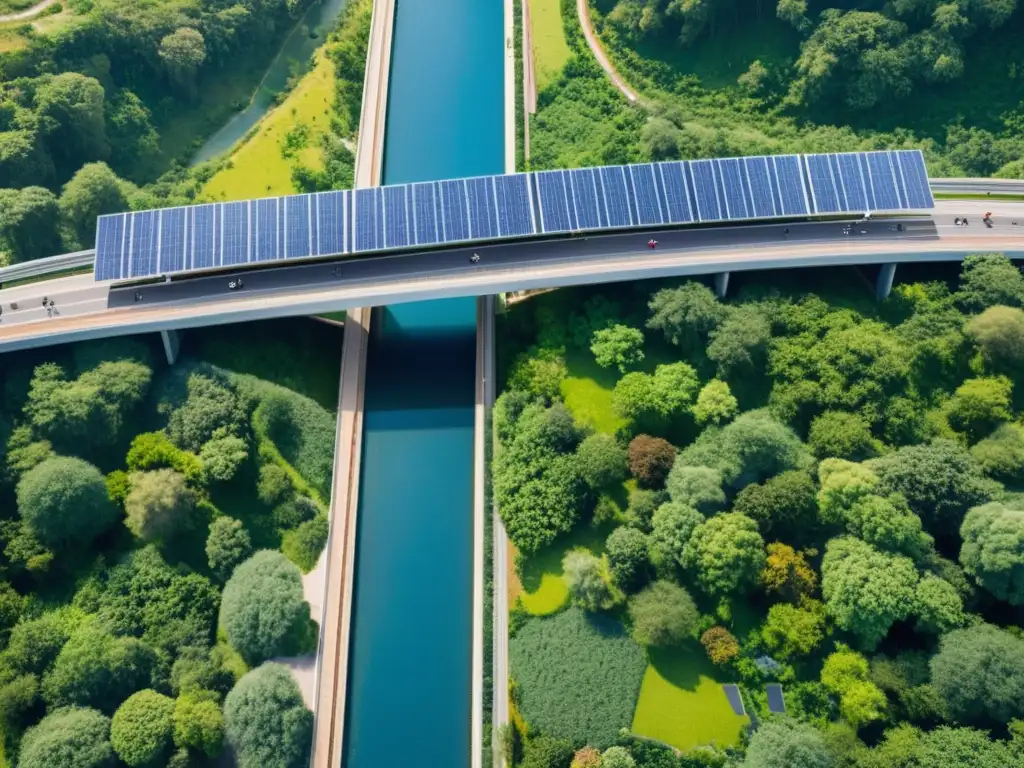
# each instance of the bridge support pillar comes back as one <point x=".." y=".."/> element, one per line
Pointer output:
<point x="172" y="345"/>
<point x="883" y="287"/>
<point x="721" y="284"/>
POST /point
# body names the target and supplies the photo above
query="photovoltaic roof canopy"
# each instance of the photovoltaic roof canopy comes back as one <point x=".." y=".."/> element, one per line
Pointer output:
<point x="430" y="214"/>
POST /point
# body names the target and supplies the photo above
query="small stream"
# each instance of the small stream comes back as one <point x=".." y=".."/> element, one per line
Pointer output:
<point x="307" y="35"/>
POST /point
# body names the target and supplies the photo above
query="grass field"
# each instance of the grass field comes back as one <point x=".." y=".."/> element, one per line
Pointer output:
<point x="588" y="392"/>
<point x="12" y="37"/>
<point x="257" y="167"/>
<point x="547" y="39"/>
<point x="682" y="703"/>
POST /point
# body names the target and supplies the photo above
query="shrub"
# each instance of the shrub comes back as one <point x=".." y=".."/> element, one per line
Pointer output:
<point x="601" y="461"/>
<point x="785" y="744"/>
<point x="222" y="456"/>
<point x="11" y="606"/>
<point x="159" y="505"/>
<point x="650" y="460"/>
<point x="697" y="487"/>
<point x="227" y="545"/>
<point x="68" y="738"/>
<point x="628" y="558"/>
<point x="663" y="614"/>
<point x="304" y="545"/>
<point x="546" y="752"/>
<point x="294" y="512"/>
<point x="585" y="576"/>
<point x="266" y="721"/>
<point x="274" y="485"/>
<point x="210" y="406"/>
<point x="34" y="644"/>
<point x="154" y="450"/>
<point x="64" y="501"/>
<point x="262" y="608"/>
<point x="206" y="670"/>
<point x="140" y="731"/>
<point x="715" y="403"/>
<point x="199" y="724"/>
<point x="720" y="645"/>
<point x="578" y="676"/>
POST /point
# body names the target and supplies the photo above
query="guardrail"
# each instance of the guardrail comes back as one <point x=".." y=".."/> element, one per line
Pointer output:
<point x="978" y="186"/>
<point x="47" y="266"/>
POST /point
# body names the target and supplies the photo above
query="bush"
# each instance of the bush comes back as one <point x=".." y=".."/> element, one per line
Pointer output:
<point x="546" y="752"/>
<point x="274" y="485"/>
<point x="206" y="670"/>
<point x="578" y="676"/>
<point x="601" y="461"/>
<point x="198" y="724"/>
<point x="663" y="614"/>
<point x="715" y="403"/>
<point x="211" y="406"/>
<point x="34" y="644"/>
<point x="628" y="558"/>
<point x="154" y="450"/>
<point x="585" y="576"/>
<point x="787" y="745"/>
<point x="262" y="609"/>
<point x="140" y="731"/>
<point x="227" y="545"/>
<point x="68" y="738"/>
<point x="1001" y="454"/>
<point x="697" y="487"/>
<point x="64" y="501"/>
<point x="650" y="460"/>
<point x="721" y="645"/>
<point x="222" y="456"/>
<point x="304" y="545"/>
<point x="159" y="505"/>
<point x="294" y="512"/>
<point x="266" y="721"/>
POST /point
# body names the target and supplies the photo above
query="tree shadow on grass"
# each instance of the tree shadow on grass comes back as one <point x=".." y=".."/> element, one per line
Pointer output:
<point x="682" y="665"/>
<point x="549" y="559"/>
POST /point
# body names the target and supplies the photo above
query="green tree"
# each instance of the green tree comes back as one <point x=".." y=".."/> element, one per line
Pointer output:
<point x="601" y="461"/>
<point x="26" y="224"/>
<point x="212" y="408"/>
<point x="784" y="506"/>
<point x="697" y="487"/>
<point x="227" y="545"/>
<point x="34" y="644"/>
<point x="274" y="485"/>
<point x="63" y="501"/>
<point x="93" y="191"/>
<point x="71" y="107"/>
<point x="979" y="405"/>
<point x="198" y="725"/>
<point x="999" y="334"/>
<point x="183" y="52"/>
<point x="68" y="738"/>
<point x="671" y="528"/>
<point x="133" y="140"/>
<point x="939" y="480"/>
<point x="790" y="631"/>
<point x="141" y="729"/>
<point x="720" y="645"/>
<point x="979" y="673"/>
<point x="726" y="552"/>
<point x="788" y="573"/>
<point x="94" y="668"/>
<point x="628" y="558"/>
<point x="663" y="614"/>
<point x="650" y="459"/>
<point x="617" y="757"/>
<point x="539" y="373"/>
<point x="222" y="456"/>
<point x="206" y="671"/>
<point x="24" y="160"/>
<point x="989" y="279"/>
<point x="585" y="576"/>
<point x="650" y="400"/>
<point x="866" y="590"/>
<point x="993" y="549"/>
<point x="686" y="315"/>
<point x="787" y="744"/>
<point x="266" y="721"/>
<point x="938" y="605"/>
<point x="739" y="343"/>
<point x="843" y="436"/>
<point x="159" y="505"/>
<point x="1001" y="454"/>
<point x="619" y="346"/>
<point x="262" y="607"/>
<point x="715" y="403"/>
<point x="888" y="524"/>
<point x="845" y="673"/>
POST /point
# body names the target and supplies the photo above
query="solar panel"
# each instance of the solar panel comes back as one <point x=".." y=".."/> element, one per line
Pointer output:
<point x="150" y="243"/>
<point x="776" y="701"/>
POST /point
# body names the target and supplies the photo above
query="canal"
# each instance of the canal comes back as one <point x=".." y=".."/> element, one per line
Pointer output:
<point x="410" y="660"/>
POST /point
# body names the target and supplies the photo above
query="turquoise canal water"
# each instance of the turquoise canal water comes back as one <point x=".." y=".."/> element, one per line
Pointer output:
<point x="410" y="675"/>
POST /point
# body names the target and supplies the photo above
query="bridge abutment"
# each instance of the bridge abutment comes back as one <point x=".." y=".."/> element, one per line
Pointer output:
<point x="172" y="345"/>
<point x="883" y="285"/>
<point x="721" y="284"/>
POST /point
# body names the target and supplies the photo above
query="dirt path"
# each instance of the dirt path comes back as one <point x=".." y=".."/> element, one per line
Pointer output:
<point x="583" y="11"/>
<point x="28" y="12"/>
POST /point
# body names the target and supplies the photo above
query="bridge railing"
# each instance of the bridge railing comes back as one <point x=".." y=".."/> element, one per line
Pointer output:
<point x="47" y="266"/>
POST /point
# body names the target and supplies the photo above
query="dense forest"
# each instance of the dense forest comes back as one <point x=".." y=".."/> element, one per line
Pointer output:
<point x="794" y="490"/>
<point x="155" y="523"/>
<point x="730" y="78"/>
<point x="81" y="110"/>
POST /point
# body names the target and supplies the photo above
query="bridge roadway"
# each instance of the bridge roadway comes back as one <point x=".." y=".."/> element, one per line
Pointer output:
<point x="85" y="309"/>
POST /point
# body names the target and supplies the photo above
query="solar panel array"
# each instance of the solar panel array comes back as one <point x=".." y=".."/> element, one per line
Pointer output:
<point x="430" y="214"/>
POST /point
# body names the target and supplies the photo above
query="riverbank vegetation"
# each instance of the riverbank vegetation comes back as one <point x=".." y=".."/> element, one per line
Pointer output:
<point x="155" y="525"/>
<point x="101" y="117"/>
<point x="719" y="80"/>
<point x="795" y="487"/>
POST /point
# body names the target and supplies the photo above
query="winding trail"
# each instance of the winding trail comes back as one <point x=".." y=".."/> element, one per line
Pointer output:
<point x="28" y="12"/>
<point x="583" y="12"/>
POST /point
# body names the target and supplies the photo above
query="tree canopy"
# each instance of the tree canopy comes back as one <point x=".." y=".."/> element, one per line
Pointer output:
<point x="663" y="614"/>
<point x="726" y="552"/>
<point x="993" y="549"/>
<point x="68" y="738"/>
<point x="979" y="673"/>
<point x="267" y="722"/>
<point x="63" y="501"/>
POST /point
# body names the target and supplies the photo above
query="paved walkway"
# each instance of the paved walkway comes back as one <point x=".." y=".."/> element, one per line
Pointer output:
<point x="303" y="668"/>
<point x="28" y="13"/>
<point x="583" y="11"/>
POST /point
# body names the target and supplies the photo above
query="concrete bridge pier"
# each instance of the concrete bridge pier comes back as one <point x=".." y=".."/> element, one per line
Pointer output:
<point x="172" y="345"/>
<point x="883" y="286"/>
<point x="721" y="284"/>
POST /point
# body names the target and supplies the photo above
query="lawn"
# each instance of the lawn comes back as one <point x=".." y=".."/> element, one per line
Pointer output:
<point x="257" y="168"/>
<point x="588" y="392"/>
<point x="682" y="703"/>
<point x="547" y="38"/>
